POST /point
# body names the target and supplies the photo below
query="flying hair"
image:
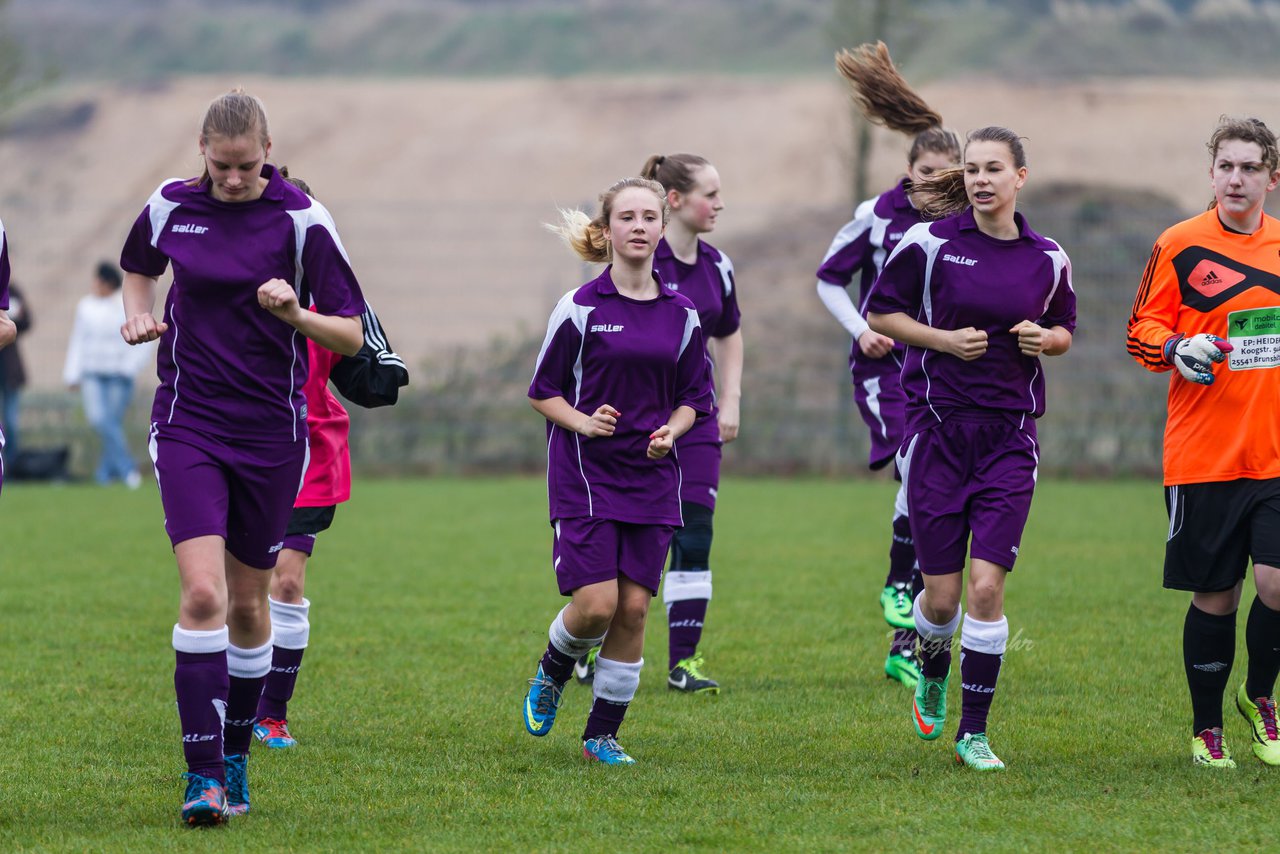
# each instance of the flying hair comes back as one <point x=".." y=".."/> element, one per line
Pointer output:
<point x="885" y="98"/>
<point x="585" y="235"/>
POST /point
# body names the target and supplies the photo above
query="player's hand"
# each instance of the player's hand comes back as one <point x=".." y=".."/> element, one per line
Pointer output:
<point x="728" y="420"/>
<point x="601" y="423"/>
<point x="278" y="297"/>
<point x="142" y="328"/>
<point x="874" y="345"/>
<point x="1195" y="357"/>
<point x="967" y="343"/>
<point x="1032" y="337"/>
<point x="660" y="443"/>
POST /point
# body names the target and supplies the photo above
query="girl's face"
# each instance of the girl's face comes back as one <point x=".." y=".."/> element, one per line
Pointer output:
<point x="635" y="224"/>
<point x="991" y="180"/>
<point x="1240" y="179"/>
<point x="235" y="166"/>
<point x="927" y="165"/>
<point x="697" y="209"/>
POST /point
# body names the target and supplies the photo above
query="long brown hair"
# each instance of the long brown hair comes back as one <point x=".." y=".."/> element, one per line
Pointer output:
<point x="585" y="235"/>
<point x="887" y="99"/>
<point x="236" y="113"/>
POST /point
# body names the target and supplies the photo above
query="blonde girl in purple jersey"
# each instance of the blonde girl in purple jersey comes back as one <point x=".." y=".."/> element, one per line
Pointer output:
<point x="860" y="249"/>
<point x="228" y="435"/>
<point x="977" y="298"/>
<point x="621" y="376"/>
<point x="704" y="275"/>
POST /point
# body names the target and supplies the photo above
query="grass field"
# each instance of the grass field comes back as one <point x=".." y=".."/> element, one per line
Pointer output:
<point x="431" y="601"/>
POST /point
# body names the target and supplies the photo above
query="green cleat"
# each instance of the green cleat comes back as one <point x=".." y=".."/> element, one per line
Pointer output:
<point x="1261" y="715"/>
<point x="902" y="667"/>
<point x="584" y="669"/>
<point x="1208" y="748"/>
<point x="974" y="751"/>
<point x="896" y="601"/>
<point x="929" y="706"/>
<point x="687" y="676"/>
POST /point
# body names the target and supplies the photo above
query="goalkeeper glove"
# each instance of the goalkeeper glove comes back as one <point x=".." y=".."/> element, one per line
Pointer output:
<point x="1195" y="357"/>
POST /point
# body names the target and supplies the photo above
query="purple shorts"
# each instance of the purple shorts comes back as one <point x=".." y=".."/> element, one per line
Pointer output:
<point x="972" y="474"/>
<point x="698" y="452"/>
<point x="240" y="491"/>
<point x="877" y="389"/>
<point x="589" y="550"/>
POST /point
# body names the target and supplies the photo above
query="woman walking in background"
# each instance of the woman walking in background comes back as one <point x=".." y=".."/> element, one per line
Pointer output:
<point x="977" y="298"/>
<point x="229" y="432"/>
<point x="620" y="378"/>
<point x="103" y="367"/>
<point x="860" y="249"/>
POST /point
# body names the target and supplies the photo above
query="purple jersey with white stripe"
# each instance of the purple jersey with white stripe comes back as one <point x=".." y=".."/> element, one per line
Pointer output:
<point x="227" y="366"/>
<point x="710" y="285"/>
<point x="643" y="358"/>
<point x="860" y="249"/>
<point x="950" y="275"/>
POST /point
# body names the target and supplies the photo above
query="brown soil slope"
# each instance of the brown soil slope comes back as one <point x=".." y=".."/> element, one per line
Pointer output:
<point x="439" y="188"/>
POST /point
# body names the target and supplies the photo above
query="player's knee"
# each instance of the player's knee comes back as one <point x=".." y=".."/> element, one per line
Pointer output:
<point x="631" y="614"/>
<point x="247" y="614"/>
<point x="287" y="585"/>
<point x="691" y="545"/>
<point x="202" y="602"/>
<point x="595" y="612"/>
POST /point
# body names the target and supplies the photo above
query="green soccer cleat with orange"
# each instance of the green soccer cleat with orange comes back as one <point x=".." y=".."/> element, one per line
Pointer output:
<point x="929" y="706"/>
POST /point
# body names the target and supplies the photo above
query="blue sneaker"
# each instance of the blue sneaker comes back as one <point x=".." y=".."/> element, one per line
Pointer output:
<point x="541" y="703"/>
<point x="606" y="750"/>
<point x="205" y="801"/>
<point x="237" y="783"/>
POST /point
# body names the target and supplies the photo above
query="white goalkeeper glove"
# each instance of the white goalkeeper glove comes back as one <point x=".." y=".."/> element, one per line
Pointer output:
<point x="1195" y="357"/>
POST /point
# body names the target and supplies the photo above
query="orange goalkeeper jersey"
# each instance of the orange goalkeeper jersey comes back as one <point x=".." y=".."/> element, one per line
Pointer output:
<point x="1203" y="278"/>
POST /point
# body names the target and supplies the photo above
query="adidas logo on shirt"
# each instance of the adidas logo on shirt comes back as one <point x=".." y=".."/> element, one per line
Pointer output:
<point x="188" y="228"/>
<point x="606" y="327"/>
<point x="959" y="259"/>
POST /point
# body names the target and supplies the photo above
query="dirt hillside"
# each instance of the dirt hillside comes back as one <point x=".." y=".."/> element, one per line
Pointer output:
<point x="439" y="187"/>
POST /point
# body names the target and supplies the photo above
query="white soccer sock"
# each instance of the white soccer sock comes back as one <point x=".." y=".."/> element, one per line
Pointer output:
<point x="980" y="636"/>
<point x="565" y="642"/>
<point x="249" y="663"/>
<point x="290" y="625"/>
<point x="616" y="681"/>
<point x="679" y="586"/>
<point x="932" y="631"/>
<point x="198" y="641"/>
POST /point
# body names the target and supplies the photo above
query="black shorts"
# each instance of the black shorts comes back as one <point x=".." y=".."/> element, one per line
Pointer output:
<point x="1215" y="528"/>
<point x="309" y="521"/>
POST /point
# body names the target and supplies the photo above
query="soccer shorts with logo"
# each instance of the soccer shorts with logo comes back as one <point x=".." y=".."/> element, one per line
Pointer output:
<point x="1215" y="528"/>
<point x="242" y="491"/>
<point x="589" y="550"/>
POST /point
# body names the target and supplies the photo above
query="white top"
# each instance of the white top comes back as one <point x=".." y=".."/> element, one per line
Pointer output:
<point x="96" y="346"/>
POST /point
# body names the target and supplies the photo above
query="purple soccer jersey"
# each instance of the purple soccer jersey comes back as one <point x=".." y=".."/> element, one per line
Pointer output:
<point x="950" y="275"/>
<point x="227" y="366"/>
<point x="645" y="359"/>
<point x="860" y="249"/>
<point x="710" y="285"/>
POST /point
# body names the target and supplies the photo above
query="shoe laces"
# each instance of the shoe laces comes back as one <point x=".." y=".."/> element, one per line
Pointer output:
<point x="693" y="664"/>
<point x="1267" y="710"/>
<point x="236" y="774"/>
<point x="901" y="596"/>
<point x="979" y="747"/>
<point x="548" y="697"/>
<point x="198" y="786"/>
<point x="933" y="697"/>
<point x="607" y="746"/>
<point x="1212" y="739"/>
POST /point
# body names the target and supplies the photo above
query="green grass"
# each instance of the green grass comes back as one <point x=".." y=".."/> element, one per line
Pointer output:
<point x="431" y="601"/>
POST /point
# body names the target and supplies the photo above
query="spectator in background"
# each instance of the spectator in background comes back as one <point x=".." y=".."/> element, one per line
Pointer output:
<point x="13" y="376"/>
<point x="103" y="366"/>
